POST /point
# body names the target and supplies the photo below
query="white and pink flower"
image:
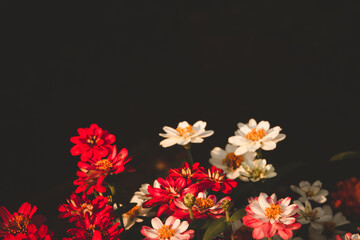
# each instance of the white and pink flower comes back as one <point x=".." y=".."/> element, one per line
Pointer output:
<point x="173" y="229"/>
<point x="268" y="216"/>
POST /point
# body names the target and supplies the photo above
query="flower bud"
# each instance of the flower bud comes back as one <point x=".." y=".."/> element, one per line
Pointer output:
<point x="189" y="200"/>
<point x="225" y="205"/>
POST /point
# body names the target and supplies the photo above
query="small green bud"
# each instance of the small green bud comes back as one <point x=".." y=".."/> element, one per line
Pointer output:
<point x="225" y="205"/>
<point x="189" y="200"/>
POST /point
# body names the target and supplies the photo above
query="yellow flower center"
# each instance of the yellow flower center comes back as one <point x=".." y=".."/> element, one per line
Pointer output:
<point x="133" y="212"/>
<point x="18" y="224"/>
<point x="186" y="172"/>
<point x="92" y="140"/>
<point x="255" y="135"/>
<point x="183" y="130"/>
<point x="104" y="165"/>
<point x="233" y="161"/>
<point x="204" y="203"/>
<point x="216" y="175"/>
<point x="273" y="211"/>
<point x="165" y="232"/>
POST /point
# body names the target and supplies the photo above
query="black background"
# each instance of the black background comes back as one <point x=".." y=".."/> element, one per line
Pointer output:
<point x="133" y="67"/>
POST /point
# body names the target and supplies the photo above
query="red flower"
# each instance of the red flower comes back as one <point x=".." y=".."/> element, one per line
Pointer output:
<point x="204" y="207"/>
<point x="90" y="181"/>
<point x="185" y="171"/>
<point x="99" y="227"/>
<point x="78" y="207"/>
<point x="347" y="198"/>
<point x="215" y="179"/>
<point x="35" y="234"/>
<point x="113" y="164"/>
<point x="92" y="142"/>
<point x="20" y="224"/>
<point x="170" y="189"/>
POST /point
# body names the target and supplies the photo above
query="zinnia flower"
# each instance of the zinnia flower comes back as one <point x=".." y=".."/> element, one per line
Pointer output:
<point x="92" y="142"/>
<point x="173" y="229"/>
<point x="169" y="190"/>
<point x="256" y="170"/>
<point x="78" y="207"/>
<point x="347" y="197"/>
<point x="330" y="229"/>
<point x="214" y="178"/>
<point x="185" y="171"/>
<point x="316" y="217"/>
<point x="185" y="134"/>
<point x="252" y="136"/>
<point x="204" y="207"/>
<point x="311" y="192"/>
<point x="268" y="217"/>
<point x="20" y="224"/>
<point x="228" y="161"/>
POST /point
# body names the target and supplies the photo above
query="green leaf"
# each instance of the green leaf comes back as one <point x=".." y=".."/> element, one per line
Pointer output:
<point x="238" y="214"/>
<point x="216" y="227"/>
<point x="349" y="155"/>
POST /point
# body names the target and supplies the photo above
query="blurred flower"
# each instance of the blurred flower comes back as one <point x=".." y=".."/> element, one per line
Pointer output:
<point x="89" y="181"/>
<point x="204" y="207"/>
<point x="330" y="230"/>
<point x="184" y="134"/>
<point x="268" y="217"/>
<point x="349" y="236"/>
<point x="228" y="161"/>
<point x="172" y="229"/>
<point x="347" y="198"/>
<point x="214" y="178"/>
<point x="311" y="192"/>
<point x="78" y="207"/>
<point x="252" y="136"/>
<point x="316" y="217"/>
<point x="93" y="142"/>
<point x="20" y="224"/>
<point x="143" y="191"/>
<point x="256" y="170"/>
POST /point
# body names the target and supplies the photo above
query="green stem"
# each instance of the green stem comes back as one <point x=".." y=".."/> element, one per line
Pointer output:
<point x="191" y="214"/>
<point x="269" y="238"/>
<point x="229" y="221"/>
<point x="189" y="155"/>
<point x="259" y="154"/>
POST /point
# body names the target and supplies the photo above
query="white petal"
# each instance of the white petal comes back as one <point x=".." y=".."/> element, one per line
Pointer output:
<point x="151" y="233"/>
<point x="207" y="133"/>
<point x="182" y="227"/>
<point x="241" y="150"/>
<point x="269" y="145"/>
<point x="264" y="125"/>
<point x="197" y="140"/>
<point x="253" y="147"/>
<point x="218" y="153"/>
<point x="171" y="131"/>
<point x="229" y="148"/>
<point x="169" y="142"/>
<point x="238" y="140"/>
<point x="252" y="123"/>
<point x="199" y="125"/>
<point x="279" y="137"/>
<point x="156" y="223"/>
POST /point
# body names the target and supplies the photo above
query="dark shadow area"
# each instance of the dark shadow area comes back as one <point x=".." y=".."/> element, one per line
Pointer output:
<point x="133" y="67"/>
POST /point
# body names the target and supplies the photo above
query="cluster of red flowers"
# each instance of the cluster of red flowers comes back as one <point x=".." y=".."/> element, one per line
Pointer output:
<point x="23" y="224"/>
<point x="194" y="180"/>
<point x="91" y="212"/>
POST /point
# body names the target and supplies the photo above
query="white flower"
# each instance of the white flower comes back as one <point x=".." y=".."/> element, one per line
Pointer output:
<point x="228" y="161"/>
<point x="316" y="217"/>
<point x="132" y="216"/>
<point x="256" y="170"/>
<point x="184" y="134"/>
<point x="252" y="136"/>
<point x="311" y="192"/>
<point x="329" y="231"/>
<point x="352" y="237"/>
<point x="173" y="229"/>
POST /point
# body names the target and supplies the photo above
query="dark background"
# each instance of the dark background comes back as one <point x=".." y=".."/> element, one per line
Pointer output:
<point x="133" y="67"/>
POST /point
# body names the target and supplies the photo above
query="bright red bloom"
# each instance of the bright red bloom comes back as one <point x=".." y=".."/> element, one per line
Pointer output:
<point x="204" y="207"/>
<point x="90" y="181"/>
<point x="20" y="224"/>
<point x="185" y="171"/>
<point x="99" y="227"/>
<point x="42" y="233"/>
<point x="92" y="142"/>
<point x="170" y="189"/>
<point x="268" y="217"/>
<point x="215" y="179"/>
<point x="78" y="207"/>
<point x="347" y="198"/>
<point x="113" y="164"/>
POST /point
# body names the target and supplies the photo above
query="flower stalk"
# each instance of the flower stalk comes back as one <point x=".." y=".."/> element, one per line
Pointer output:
<point x="188" y="153"/>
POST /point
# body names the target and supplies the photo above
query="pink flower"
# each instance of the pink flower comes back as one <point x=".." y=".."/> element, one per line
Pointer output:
<point x="92" y="142"/>
<point x="269" y="217"/>
<point x="172" y="229"/>
<point x="204" y="207"/>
